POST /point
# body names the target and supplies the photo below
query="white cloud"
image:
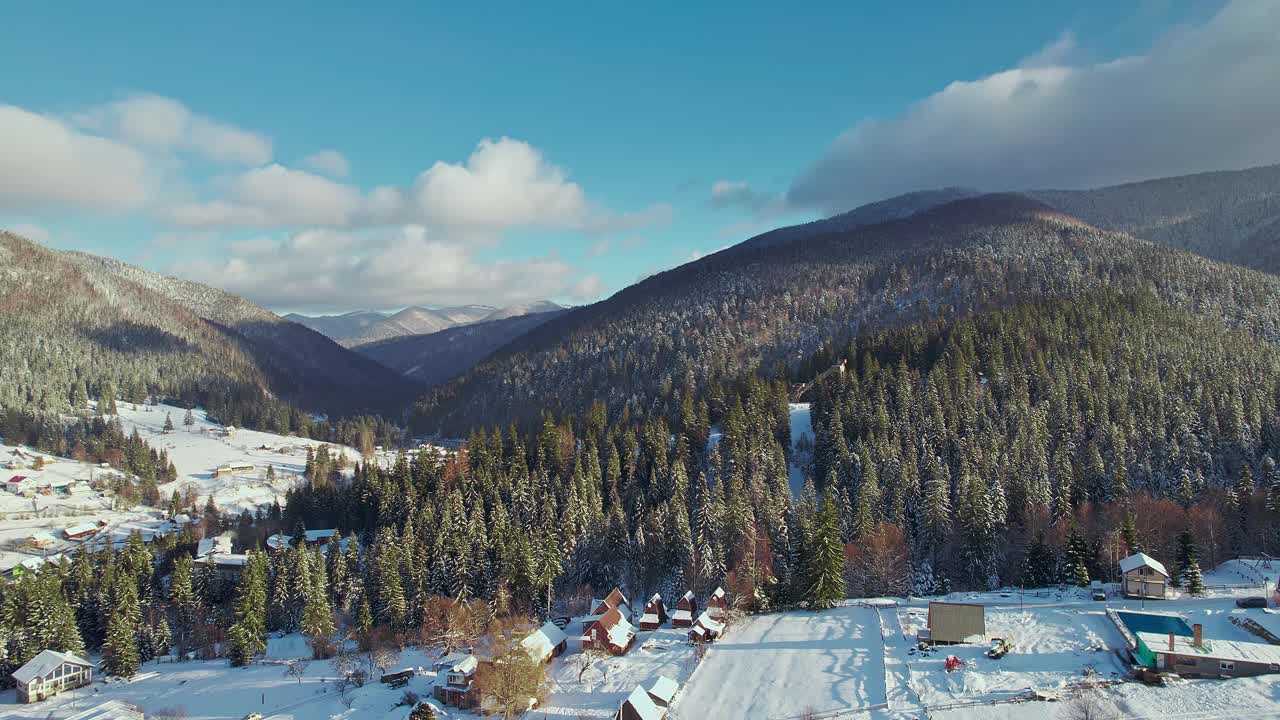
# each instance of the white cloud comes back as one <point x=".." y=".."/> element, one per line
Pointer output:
<point x="44" y="162"/>
<point x="323" y="270"/>
<point x="1203" y="98"/>
<point x="328" y="162"/>
<point x="740" y="194"/>
<point x="504" y="183"/>
<point x="276" y="195"/>
<point x="161" y="123"/>
<point x="588" y="289"/>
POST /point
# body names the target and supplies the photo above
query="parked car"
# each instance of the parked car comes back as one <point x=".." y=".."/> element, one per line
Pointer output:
<point x="1096" y="591"/>
<point x="1256" y="601"/>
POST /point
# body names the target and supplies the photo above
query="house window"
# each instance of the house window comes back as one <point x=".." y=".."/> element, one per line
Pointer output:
<point x="1226" y="665"/>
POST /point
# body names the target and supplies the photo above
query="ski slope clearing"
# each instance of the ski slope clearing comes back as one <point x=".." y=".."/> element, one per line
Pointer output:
<point x="780" y="665"/>
<point x="197" y="450"/>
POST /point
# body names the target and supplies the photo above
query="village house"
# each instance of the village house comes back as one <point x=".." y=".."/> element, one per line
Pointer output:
<point x="639" y="706"/>
<point x="706" y="628"/>
<point x="1143" y="577"/>
<point x="41" y="540"/>
<point x="686" y="609"/>
<point x="19" y="484"/>
<point x="1197" y="657"/>
<point x="718" y="604"/>
<point x="546" y="642"/>
<point x="232" y="469"/>
<point x="952" y="623"/>
<point x="50" y="673"/>
<point x="610" y="632"/>
<point x="80" y="532"/>
<point x="655" y="614"/>
<point x="280" y="541"/>
<point x="615" y="599"/>
<point x="456" y="685"/>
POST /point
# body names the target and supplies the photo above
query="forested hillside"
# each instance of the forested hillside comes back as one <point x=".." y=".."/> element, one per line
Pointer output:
<point x="768" y="308"/>
<point x="74" y="327"/>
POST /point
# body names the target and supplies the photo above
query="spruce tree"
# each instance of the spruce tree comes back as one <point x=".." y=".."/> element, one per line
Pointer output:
<point x="120" y="655"/>
<point x="189" y="418"/>
<point x="826" y="561"/>
<point x="248" y="634"/>
<point x="317" y="615"/>
<point x="1194" y="580"/>
<point x="168" y="422"/>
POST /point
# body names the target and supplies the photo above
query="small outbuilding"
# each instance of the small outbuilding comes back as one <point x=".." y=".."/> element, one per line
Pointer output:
<point x="718" y="604"/>
<point x="706" y="628"/>
<point x="686" y="610"/>
<point x="1143" y="577"/>
<point x="655" y="613"/>
<point x="639" y="706"/>
<point x="663" y="692"/>
<point x="953" y="623"/>
<point x="545" y="643"/>
<point x="50" y="673"/>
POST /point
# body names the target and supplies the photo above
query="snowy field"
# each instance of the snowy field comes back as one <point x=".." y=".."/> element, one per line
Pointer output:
<point x="779" y="665"/>
<point x="665" y="652"/>
<point x="197" y="450"/>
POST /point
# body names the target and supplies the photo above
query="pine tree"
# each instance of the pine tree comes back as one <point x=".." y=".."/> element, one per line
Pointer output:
<point x="1129" y="534"/>
<point x="826" y="562"/>
<point x="1077" y="555"/>
<point x="317" y="615"/>
<point x="168" y="422"/>
<point x="1041" y="567"/>
<point x="1194" y="580"/>
<point x="1186" y="555"/>
<point x="120" y="656"/>
<point x="248" y="635"/>
<point x="189" y="418"/>
<point x="161" y="642"/>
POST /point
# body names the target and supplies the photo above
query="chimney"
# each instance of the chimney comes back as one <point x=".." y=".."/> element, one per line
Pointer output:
<point x="1170" y="642"/>
<point x="1198" y="630"/>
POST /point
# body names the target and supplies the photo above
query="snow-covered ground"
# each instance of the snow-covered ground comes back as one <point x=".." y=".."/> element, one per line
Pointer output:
<point x="663" y="652"/>
<point x="198" y="449"/>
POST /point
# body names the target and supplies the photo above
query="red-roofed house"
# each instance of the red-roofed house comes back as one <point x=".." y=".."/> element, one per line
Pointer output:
<point x="18" y="484"/>
<point x="718" y="605"/>
<point x="614" y="599"/>
<point x="655" y="613"/>
<point x="610" y="632"/>
<point x="686" y="609"/>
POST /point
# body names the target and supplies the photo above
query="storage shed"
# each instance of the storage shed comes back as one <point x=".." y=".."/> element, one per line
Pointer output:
<point x="951" y="623"/>
<point x="1143" y="577"/>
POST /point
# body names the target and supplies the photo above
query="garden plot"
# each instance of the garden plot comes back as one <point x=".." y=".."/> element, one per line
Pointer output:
<point x="782" y="664"/>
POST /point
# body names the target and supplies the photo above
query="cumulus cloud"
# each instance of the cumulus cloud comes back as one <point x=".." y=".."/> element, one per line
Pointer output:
<point x="1204" y="97"/>
<point x="275" y="195"/>
<point x="504" y="183"/>
<point x="328" y="162"/>
<point x="153" y="121"/>
<point x="46" y="162"/>
<point x="324" y="269"/>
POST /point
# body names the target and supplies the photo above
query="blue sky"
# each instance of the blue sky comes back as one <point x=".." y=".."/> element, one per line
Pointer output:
<point x="622" y="140"/>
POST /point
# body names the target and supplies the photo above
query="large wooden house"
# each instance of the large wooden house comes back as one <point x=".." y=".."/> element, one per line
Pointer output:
<point x="545" y="643"/>
<point x="655" y="613"/>
<point x="456" y="684"/>
<point x="1143" y="577"/>
<point x="50" y="673"/>
<point x="610" y="632"/>
<point x="686" y="611"/>
<point x="615" y="599"/>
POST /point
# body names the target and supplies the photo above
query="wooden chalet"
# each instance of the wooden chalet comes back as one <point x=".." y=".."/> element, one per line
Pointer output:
<point x="655" y="613"/>
<point x="718" y="604"/>
<point x="706" y="628"/>
<point x="50" y="673"/>
<point x="1143" y="577"/>
<point x="610" y="632"/>
<point x="614" y="599"/>
<point x="456" y="684"/>
<point x="686" y="611"/>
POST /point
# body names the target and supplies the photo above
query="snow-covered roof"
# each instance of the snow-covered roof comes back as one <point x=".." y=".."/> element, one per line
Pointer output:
<point x="280" y="540"/>
<point x="682" y="615"/>
<point x="465" y="666"/>
<point x="1216" y="649"/>
<point x="718" y="594"/>
<point x="688" y="595"/>
<point x="621" y="633"/>
<point x="182" y="519"/>
<point x="643" y="705"/>
<point x="44" y="663"/>
<point x="657" y="598"/>
<point x="649" y="618"/>
<point x="710" y="623"/>
<point x="1137" y="560"/>
<point x="664" y="689"/>
<point x="225" y="559"/>
<point x="80" y="529"/>
<point x="543" y="641"/>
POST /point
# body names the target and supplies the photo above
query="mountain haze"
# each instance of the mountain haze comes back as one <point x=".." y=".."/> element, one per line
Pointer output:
<point x="362" y="327"/>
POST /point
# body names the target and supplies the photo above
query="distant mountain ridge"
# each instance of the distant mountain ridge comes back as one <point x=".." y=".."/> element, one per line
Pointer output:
<point x="99" y="320"/>
<point x="362" y="327"/>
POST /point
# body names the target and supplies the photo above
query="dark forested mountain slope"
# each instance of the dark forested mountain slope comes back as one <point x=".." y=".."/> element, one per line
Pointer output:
<point x="438" y="357"/>
<point x="1231" y="216"/>
<point x="70" y="319"/>
<point x="766" y="307"/>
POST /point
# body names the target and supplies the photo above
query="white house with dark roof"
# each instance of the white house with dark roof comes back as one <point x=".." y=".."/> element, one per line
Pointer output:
<point x="50" y="673"/>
